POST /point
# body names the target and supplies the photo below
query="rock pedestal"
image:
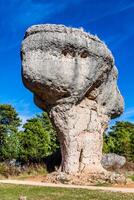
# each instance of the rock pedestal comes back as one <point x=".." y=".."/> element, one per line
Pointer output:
<point x="80" y="129"/>
<point x="73" y="77"/>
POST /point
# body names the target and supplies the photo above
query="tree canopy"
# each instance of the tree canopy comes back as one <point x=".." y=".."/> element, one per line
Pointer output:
<point x="120" y="139"/>
<point x="9" y="124"/>
<point x="38" y="139"/>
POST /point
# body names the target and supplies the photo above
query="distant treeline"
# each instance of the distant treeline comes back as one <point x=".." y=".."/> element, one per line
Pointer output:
<point x="37" y="139"/>
<point x="120" y="140"/>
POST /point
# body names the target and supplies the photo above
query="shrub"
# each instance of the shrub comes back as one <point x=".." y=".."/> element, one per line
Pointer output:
<point x="38" y="139"/>
<point x="8" y="170"/>
<point x="120" y="140"/>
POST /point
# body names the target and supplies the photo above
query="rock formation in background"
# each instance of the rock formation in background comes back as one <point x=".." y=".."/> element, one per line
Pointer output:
<point x="112" y="161"/>
<point x="73" y="77"/>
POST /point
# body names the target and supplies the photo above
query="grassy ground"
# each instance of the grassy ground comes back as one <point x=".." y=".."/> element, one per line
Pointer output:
<point x="13" y="192"/>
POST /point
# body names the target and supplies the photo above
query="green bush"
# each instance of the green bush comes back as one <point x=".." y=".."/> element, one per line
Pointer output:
<point x="38" y="139"/>
<point x="120" y="140"/>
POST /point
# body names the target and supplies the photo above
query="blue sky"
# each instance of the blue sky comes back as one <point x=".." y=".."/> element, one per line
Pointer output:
<point x="112" y="21"/>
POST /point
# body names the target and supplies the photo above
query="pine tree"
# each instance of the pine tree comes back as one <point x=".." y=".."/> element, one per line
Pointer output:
<point x="9" y="123"/>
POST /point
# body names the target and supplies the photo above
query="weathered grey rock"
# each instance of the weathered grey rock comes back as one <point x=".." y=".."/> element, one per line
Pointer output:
<point x="73" y="77"/>
<point x="117" y="178"/>
<point x="113" y="160"/>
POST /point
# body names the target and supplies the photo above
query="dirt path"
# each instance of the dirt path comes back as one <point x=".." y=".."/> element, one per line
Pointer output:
<point x="32" y="183"/>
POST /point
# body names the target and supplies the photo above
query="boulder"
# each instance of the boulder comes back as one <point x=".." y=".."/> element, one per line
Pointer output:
<point x="73" y="77"/>
<point x="113" y="161"/>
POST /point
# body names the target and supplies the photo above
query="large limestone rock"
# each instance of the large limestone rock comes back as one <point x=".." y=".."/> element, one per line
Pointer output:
<point x="73" y="77"/>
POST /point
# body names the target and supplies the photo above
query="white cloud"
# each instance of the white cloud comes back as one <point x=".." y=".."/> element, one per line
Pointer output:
<point x="118" y="39"/>
<point x="118" y="8"/>
<point x="22" y="14"/>
<point x="128" y="114"/>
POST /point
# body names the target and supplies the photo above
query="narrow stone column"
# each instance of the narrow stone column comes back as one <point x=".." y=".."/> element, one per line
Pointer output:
<point x="80" y="129"/>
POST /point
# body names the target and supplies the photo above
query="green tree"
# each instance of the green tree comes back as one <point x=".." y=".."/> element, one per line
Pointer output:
<point x="38" y="139"/>
<point x="120" y="139"/>
<point x="132" y="145"/>
<point x="9" y="123"/>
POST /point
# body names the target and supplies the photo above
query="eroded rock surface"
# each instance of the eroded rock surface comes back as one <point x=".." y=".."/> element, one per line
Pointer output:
<point x="73" y="77"/>
<point x="113" y="161"/>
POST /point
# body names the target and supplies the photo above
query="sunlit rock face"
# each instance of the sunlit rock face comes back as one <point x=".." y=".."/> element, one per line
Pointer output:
<point x="73" y="77"/>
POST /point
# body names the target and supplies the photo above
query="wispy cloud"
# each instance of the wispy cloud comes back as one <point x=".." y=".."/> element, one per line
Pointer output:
<point x="24" y="118"/>
<point x="25" y="13"/>
<point x="117" y="8"/>
<point x="22" y="14"/>
<point x="128" y="115"/>
<point x="31" y="12"/>
<point x="118" y="39"/>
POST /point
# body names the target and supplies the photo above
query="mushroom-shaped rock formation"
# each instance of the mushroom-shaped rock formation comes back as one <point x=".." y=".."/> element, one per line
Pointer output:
<point x="73" y="77"/>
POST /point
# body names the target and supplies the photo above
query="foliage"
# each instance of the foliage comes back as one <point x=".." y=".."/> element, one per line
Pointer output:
<point x="11" y="148"/>
<point x="9" y="116"/>
<point x="132" y="145"/>
<point x="9" y="123"/>
<point x="32" y="144"/>
<point x="120" y="140"/>
<point x="7" y="170"/>
<point x="38" y="139"/>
